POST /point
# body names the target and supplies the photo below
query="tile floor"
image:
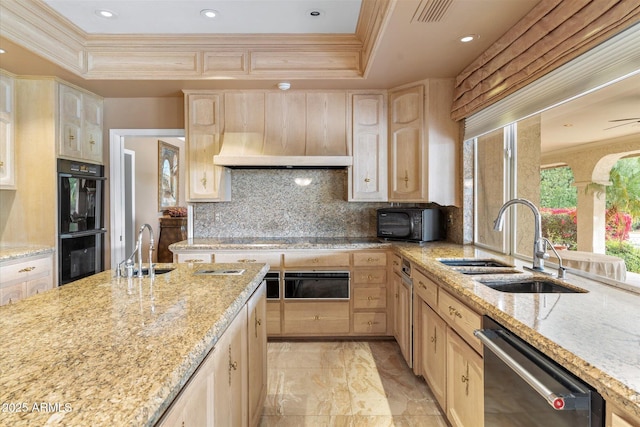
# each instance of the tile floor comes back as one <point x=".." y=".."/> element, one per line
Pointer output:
<point x="345" y="383"/>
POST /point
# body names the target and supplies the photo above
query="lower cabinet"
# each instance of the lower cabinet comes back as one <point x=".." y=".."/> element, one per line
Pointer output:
<point x="433" y="351"/>
<point x="229" y="386"/>
<point x="24" y="277"/>
<point x="316" y="318"/>
<point x="465" y="383"/>
<point x="616" y="417"/>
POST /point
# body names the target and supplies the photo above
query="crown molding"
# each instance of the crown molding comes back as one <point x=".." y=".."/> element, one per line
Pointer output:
<point x="38" y="28"/>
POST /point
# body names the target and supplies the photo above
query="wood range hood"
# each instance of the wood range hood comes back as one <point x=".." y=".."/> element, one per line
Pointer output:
<point x="251" y="150"/>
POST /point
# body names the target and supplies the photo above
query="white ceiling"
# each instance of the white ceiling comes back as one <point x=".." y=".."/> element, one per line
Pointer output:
<point x="410" y="49"/>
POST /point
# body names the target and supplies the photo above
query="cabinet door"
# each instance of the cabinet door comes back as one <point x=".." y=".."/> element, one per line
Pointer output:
<point x="368" y="176"/>
<point x="465" y="383"/>
<point x="407" y="151"/>
<point x="70" y="144"/>
<point x="7" y="139"/>
<point x="206" y="182"/>
<point x="404" y="313"/>
<point x="285" y="124"/>
<point x="257" y="350"/>
<point x="433" y="350"/>
<point x="92" y="107"/>
<point x="230" y="376"/>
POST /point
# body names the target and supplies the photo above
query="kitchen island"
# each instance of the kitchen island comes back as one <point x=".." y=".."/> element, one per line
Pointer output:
<point x="114" y="351"/>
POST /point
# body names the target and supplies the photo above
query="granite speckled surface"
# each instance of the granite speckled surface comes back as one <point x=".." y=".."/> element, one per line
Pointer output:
<point x="250" y="243"/>
<point x="107" y="351"/>
<point x="595" y="335"/>
<point x="11" y="252"/>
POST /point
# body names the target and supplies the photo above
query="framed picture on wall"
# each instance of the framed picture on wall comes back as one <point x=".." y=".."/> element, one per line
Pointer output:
<point x="168" y="175"/>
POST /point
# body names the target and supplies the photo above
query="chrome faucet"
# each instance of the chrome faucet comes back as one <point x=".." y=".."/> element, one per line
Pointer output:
<point x="539" y="245"/>
<point x="151" y="248"/>
<point x="561" y="269"/>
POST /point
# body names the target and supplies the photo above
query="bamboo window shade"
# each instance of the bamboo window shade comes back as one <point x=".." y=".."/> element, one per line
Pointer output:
<point x="550" y="35"/>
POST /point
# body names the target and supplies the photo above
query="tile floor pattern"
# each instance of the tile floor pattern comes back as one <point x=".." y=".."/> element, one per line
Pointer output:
<point x="345" y="384"/>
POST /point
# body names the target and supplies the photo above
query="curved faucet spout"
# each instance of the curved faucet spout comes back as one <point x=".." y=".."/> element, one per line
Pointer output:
<point x="151" y="248"/>
<point x="539" y="252"/>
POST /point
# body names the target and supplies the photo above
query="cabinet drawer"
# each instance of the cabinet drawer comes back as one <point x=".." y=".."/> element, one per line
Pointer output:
<point x="377" y="276"/>
<point x="461" y="318"/>
<point x="271" y="258"/>
<point x="194" y="257"/>
<point x="25" y="269"/>
<point x="316" y="318"/>
<point x="396" y="263"/>
<point x="274" y="324"/>
<point x="370" y="259"/>
<point x="369" y="298"/>
<point x="316" y="259"/>
<point x="426" y="288"/>
<point x="370" y="323"/>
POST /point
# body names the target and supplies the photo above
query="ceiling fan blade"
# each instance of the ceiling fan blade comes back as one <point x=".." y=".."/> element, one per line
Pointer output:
<point x="623" y="120"/>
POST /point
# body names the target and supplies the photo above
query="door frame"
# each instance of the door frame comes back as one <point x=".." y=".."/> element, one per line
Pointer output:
<point x="116" y="188"/>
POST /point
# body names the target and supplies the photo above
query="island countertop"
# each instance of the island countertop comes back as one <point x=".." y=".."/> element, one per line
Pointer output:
<point x="113" y="351"/>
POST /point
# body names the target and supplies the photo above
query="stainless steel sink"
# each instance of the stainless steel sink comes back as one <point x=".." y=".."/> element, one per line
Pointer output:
<point x="532" y="286"/>
<point x="474" y="262"/>
<point x="145" y="271"/>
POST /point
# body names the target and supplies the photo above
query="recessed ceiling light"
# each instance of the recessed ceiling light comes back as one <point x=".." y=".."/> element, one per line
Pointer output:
<point x="209" y="13"/>
<point x="469" y="38"/>
<point x="107" y="14"/>
<point x="315" y="13"/>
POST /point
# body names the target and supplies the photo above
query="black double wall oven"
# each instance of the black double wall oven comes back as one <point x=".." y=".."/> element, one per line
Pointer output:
<point x="80" y="220"/>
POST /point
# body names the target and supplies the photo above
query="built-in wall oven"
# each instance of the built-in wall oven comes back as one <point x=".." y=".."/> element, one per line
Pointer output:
<point x="80" y="220"/>
<point x="332" y="285"/>
<point x="524" y="388"/>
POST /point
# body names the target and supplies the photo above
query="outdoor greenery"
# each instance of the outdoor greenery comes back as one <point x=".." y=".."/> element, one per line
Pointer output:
<point x="559" y="198"/>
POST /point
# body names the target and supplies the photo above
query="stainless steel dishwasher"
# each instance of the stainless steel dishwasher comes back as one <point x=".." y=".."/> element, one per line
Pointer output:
<point x="524" y="388"/>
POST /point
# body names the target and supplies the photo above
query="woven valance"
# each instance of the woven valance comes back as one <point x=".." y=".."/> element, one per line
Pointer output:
<point x="551" y="34"/>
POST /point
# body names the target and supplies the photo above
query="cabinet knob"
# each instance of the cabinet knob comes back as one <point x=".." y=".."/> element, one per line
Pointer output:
<point x="367" y="180"/>
<point x="1" y="163"/>
<point x="203" y="180"/>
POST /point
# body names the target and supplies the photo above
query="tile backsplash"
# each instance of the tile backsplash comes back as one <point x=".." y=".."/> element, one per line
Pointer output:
<point x="286" y="203"/>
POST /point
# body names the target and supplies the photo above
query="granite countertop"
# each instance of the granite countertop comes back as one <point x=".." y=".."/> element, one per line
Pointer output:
<point x="595" y="335"/>
<point x="11" y="252"/>
<point x="113" y="351"/>
<point x="245" y="243"/>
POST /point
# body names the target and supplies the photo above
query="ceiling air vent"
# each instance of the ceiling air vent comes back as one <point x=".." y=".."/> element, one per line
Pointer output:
<point x="431" y="10"/>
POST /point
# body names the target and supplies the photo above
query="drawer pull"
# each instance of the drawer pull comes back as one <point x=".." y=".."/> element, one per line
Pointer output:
<point x="315" y="260"/>
<point x="191" y="261"/>
<point x="373" y="298"/>
<point x="422" y="285"/>
<point x="372" y="259"/>
<point x="316" y="317"/>
<point x="396" y="263"/>
<point x="246" y="260"/>
<point x="27" y="269"/>
<point x="371" y="323"/>
<point x="454" y="312"/>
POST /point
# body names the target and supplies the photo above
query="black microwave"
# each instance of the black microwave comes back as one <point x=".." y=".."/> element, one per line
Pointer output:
<point x="410" y="224"/>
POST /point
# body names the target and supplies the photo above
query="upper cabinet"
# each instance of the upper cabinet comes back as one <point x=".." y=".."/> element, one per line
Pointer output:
<point x="80" y="125"/>
<point x="326" y="124"/>
<point x="407" y="150"/>
<point x="7" y="138"/>
<point x="368" y="175"/>
<point x="423" y="144"/>
<point x="206" y="182"/>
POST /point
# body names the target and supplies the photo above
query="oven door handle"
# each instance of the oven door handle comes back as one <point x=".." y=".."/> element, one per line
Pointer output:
<point x="89" y="177"/>
<point x="86" y="233"/>
<point x="557" y="402"/>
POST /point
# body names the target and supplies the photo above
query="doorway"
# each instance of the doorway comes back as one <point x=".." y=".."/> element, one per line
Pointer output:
<point x="121" y="241"/>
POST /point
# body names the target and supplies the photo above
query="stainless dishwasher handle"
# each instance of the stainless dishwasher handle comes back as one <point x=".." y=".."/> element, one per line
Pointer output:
<point x="556" y="402"/>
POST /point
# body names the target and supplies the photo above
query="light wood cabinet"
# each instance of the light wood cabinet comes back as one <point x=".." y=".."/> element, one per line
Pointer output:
<point x="368" y="175"/>
<point x="407" y="151"/>
<point x="326" y="124"/>
<point x="461" y="318"/>
<point x="432" y="356"/>
<point x="193" y="257"/>
<point x="24" y="277"/>
<point x="257" y="354"/>
<point x="316" y="259"/>
<point x="266" y="257"/>
<point x="465" y="383"/>
<point x="285" y="123"/>
<point x="7" y="129"/>
<point x="206" y="182"/>
<point x="423" y="144"/>
<point x="80" y="125"/>
<point x="370" y="293"/>
<point x="616" y="417"/>
<point x="402" y="320"/>
<point x="230" y="399"/>
<point x="316" y="318"/>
